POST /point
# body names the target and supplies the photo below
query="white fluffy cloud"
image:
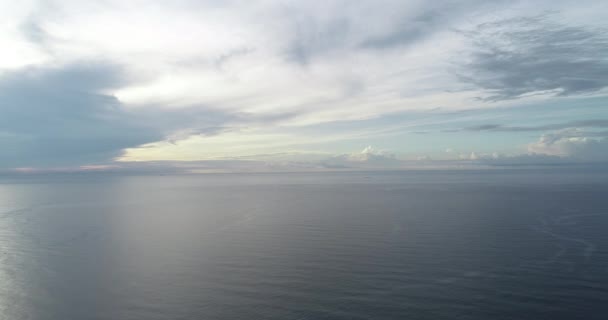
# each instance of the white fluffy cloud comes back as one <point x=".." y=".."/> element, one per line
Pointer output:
<point x="572" y="143"/>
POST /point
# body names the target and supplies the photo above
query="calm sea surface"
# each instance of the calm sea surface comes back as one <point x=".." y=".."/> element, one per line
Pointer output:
<point x="413" y="245"/>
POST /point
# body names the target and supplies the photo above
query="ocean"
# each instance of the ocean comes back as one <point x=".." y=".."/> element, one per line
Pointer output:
<point x="487" y="244"/>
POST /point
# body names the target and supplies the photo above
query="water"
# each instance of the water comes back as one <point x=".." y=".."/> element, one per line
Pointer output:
<point x="417" y="245"/>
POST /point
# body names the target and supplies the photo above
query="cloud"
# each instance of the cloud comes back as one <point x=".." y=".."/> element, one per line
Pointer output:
<point x="192" y="80"/>
<point x="572" y="143"/>
<point x="592" y="123"/>
<point x="304" y="58"/>
<point x="312" y="37"/>
<point x="409" y="31"/>
<point x="367" y="158"/>
<point x="318" y="30"/>
<point x="531" y="55"/>
<point x="422" y="20"/>
<point x="62" y="115"/>
<point x="53" y="116"/>
<point x="570" y="146"/>
<point x="526" y="159"/>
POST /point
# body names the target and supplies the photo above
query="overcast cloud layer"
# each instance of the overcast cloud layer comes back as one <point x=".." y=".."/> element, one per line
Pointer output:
<point x="301" y="85"/>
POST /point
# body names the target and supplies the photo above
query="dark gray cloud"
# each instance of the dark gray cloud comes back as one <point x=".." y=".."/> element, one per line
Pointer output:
<point x="312" y="37"/>
<point x="407" y="32"/>
<point x="61" y="117"/>
<point x="32" y="31"/>
<point x="593" y="123"/>
<point x="484" y="127"/>
<point x="367" y="25"/>
<point x="530" y="55"/>
<point x="427" y="20"/>
<point x="232" y="54"/>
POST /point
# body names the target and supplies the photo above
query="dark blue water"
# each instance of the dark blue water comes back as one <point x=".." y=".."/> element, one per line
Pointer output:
<point x="418" y="245"/>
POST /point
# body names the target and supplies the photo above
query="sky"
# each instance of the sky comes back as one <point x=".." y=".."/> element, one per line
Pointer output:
<point x="206" y="86"/>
